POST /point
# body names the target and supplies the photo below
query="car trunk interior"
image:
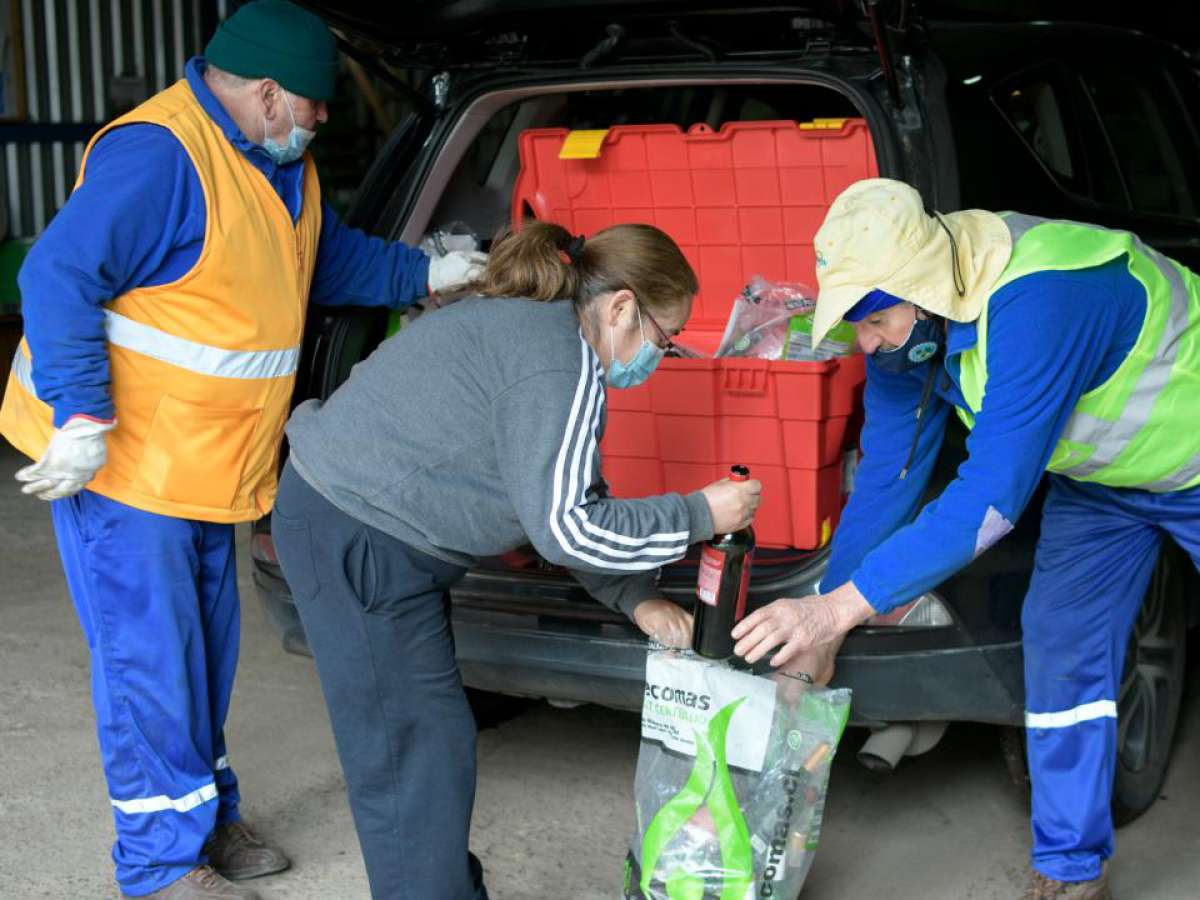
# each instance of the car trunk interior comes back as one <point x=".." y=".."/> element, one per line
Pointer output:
<point x="479" y="188"/>
<point x="473" y="177"/>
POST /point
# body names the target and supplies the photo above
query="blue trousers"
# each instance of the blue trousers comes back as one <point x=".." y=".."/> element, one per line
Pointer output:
<point x="157" y="598"/>
<point x="376" y="613"/>
<point x="1096" y="553"/>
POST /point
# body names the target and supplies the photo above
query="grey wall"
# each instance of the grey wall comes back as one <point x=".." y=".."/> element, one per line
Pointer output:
<point x="87" y="61"/>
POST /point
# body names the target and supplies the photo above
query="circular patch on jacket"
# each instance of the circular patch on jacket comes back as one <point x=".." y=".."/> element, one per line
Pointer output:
<point x="922" y="351"/>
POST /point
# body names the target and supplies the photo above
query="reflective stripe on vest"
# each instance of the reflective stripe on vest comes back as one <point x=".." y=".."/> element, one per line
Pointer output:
<point x="23" y="372"/>
<point x="196" y="357"/>
<point x="1092" y="445"/>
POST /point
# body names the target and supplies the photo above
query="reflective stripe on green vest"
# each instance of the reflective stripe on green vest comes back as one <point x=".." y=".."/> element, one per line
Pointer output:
<point x="1141" y="428"/>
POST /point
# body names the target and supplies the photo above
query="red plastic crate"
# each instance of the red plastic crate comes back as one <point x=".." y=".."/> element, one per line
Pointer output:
<point x="695" y="418"/>
<point x="743" y="201"/>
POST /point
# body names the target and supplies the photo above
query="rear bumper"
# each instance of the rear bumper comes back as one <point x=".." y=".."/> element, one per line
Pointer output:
<point x="961" y="684"/>
<point x="575" y="661"/>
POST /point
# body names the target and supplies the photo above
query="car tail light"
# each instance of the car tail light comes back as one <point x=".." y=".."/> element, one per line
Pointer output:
<point x="927" y="611"/>
<point x="262" y="548"/>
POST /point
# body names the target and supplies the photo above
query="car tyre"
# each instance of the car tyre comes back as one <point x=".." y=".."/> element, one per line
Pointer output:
<point x="1151" y="690"/>
<point x="344" y="340"/>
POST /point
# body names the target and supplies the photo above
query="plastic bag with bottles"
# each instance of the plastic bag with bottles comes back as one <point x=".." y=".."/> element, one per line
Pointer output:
<point x="731" y="780"/>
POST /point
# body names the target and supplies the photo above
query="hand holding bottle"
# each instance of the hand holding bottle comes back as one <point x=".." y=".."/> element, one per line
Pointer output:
<point x="732" y="503"/>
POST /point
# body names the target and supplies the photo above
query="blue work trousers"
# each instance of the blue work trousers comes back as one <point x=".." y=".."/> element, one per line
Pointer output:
<point x="1096" y="553"/>
<point x="157" y="598"/>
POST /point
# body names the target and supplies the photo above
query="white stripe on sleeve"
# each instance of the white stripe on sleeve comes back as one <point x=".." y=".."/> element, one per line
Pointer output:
<point x="581" y="428"/>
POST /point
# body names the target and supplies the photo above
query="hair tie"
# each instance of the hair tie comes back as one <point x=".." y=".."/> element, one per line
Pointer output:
<point x="574" y="249"/>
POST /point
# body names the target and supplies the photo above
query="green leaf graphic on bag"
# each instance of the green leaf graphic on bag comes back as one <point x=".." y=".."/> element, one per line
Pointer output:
<point x="731" y="781"/>
<point x="709" y="783"/>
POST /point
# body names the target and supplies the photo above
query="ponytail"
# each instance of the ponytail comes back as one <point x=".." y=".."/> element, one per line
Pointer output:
<point x="544" y="261"/>
<point x="531" y="263"/>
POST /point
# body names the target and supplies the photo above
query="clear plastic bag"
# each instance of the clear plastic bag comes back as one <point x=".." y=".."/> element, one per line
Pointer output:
<point x="773" y="320"/>
<point x="731" y="781"/>
<point x="455" y="236"/>
<point x="758" y="322"/>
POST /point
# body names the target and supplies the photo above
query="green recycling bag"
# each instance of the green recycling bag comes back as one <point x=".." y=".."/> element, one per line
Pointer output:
<point x="731" y="781"/>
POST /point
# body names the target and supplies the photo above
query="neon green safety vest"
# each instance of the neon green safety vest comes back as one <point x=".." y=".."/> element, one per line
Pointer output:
<point x="1141" y="428"/>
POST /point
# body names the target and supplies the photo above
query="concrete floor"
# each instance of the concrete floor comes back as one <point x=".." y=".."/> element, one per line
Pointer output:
<point x="554" y="809"/>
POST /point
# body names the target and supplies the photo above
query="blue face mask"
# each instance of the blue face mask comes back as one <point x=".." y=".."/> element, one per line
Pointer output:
<point x="924" y="342"/>
<point x="298" y="139"/>
<point x="638" y="369"/>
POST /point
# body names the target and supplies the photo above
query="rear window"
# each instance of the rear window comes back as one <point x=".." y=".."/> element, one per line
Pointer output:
<point x="1150" y="139"/>
<point x="1117" y="136"/>
<point x="1034" y="109"/>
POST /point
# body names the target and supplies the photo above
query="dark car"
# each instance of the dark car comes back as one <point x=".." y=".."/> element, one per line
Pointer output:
<point x="1028" y="116"/>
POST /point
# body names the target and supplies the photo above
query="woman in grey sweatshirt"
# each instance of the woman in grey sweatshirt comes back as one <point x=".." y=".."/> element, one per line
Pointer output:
<point x="468" y="434"/>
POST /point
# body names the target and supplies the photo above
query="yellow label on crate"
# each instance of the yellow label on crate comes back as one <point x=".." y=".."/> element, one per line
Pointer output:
<point x="822" y="124"/>
<point x="584" y="144"/>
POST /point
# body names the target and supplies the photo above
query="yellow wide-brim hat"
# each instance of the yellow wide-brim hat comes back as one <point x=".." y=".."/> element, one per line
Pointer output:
<point x="878" y="236"/>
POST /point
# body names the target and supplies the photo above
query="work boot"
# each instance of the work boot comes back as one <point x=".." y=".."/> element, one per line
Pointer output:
<point x="202" y="883"/>
<point x="1044" y="888"/>
<point x="235" y="852"/>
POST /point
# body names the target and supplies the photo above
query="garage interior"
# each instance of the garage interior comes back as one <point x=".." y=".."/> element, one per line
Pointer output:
<point x="554" y="811"/>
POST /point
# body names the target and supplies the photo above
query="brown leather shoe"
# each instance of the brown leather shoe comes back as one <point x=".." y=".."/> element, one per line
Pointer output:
<point x="1043" y="888"/>
<point x="202" y="883"/>
<point x="236" y="853"/>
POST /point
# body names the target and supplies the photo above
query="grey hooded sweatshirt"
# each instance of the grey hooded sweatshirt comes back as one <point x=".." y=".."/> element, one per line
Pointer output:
<point x="476" y="430"/>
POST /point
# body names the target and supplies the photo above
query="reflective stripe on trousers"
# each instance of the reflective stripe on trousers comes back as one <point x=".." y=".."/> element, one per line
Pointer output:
<point x="1086" y="712"/>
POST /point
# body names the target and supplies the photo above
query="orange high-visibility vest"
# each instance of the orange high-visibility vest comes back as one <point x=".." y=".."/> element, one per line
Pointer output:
<point x="202" y="368"/>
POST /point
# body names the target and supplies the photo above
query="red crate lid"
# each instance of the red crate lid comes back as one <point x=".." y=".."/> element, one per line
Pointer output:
<point x="740" y="202"/>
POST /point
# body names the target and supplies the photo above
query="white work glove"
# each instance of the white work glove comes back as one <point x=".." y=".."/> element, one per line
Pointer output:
<point x="74" y="456"/>
<point x="455" y="269"/>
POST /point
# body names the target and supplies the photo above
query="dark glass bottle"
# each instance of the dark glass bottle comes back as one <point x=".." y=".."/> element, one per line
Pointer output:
<point x="722" y="586"/>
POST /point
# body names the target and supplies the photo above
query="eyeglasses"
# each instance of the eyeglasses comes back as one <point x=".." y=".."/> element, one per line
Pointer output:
<point x="665" y="341"/>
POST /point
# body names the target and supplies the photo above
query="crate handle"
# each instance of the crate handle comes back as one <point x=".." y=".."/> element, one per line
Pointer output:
<point x="745" y="381"/>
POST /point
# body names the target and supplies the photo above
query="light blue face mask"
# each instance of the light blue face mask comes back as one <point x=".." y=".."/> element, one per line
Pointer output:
<point x="298" y="139"/>
<point x="638" y="369"/>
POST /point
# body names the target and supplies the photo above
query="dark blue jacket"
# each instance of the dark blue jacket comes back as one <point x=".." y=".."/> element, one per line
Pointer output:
<point x="1052" y="336"/>
<point x="138" y="220"/>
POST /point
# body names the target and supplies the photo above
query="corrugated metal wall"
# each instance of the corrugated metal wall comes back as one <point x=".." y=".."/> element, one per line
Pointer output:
<point x="85" y="62"/>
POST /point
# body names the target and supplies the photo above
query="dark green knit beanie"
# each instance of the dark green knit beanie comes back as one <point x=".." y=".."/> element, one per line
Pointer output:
<point x="279" y="40"/>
